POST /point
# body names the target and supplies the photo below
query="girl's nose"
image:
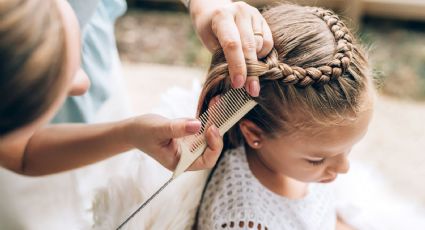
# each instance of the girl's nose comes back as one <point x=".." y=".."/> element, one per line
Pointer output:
<point x="342" y="165"/>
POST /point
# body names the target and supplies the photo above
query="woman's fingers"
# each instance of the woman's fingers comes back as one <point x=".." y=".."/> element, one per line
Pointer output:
<point x="243" y="34"/>
<point x="214" y="146"/>
<point x="244" y="24"/>
<point x="267" y="45"/>
<point x="227" y="33"/>
<point x="253" y="86"/>
<point x="257" y="28"/>
<point x="250" y="28"/>
<point x="178" y="128"/>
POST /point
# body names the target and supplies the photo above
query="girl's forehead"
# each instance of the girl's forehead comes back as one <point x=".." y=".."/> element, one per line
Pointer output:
<point x="331" y="139"/>
<point x="303" y="123"/>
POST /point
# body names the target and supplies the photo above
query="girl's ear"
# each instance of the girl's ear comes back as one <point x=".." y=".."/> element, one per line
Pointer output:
<point x="253" y="135"/>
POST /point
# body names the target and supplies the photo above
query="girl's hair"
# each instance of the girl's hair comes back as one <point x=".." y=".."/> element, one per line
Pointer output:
<point x="316" y="74"/>
<point x="32" y="60"/>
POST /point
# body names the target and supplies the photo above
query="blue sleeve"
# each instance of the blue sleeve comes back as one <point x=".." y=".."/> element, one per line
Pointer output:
<point x="99" y="59"/>
<point x="84" y="9"/>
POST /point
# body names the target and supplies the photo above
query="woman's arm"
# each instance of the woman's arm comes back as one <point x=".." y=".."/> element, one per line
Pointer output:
<point x="58" y="148"/>
<point x="62" y="147"/>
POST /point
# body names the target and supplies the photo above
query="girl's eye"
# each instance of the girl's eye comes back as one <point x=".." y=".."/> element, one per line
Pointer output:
<point x="315" y="163"/>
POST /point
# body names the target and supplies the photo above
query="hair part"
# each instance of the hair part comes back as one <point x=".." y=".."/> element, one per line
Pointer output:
<point x="32" y="60"/>
<point x="316" y="74"/>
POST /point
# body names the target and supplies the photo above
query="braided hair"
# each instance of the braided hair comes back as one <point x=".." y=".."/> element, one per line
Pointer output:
<point x="272" y="69"/>
<point x="316" y="74"/>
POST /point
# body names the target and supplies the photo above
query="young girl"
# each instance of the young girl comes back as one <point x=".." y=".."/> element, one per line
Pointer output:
<point x="315" y="104"/>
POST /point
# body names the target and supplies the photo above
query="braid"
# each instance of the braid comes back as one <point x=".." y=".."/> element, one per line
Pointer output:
<point x="315" y="75"/>
<point x="273" y="69"/>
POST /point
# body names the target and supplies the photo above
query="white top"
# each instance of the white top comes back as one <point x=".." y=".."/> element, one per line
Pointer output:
<point x="235" y="199"/>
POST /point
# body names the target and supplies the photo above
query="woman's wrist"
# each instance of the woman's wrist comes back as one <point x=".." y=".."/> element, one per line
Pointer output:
<point x="139" y="132"/>
<point x="125" y="131"/>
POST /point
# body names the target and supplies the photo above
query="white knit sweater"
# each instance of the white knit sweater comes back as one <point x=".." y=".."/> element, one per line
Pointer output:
<point x="235" y="199"/>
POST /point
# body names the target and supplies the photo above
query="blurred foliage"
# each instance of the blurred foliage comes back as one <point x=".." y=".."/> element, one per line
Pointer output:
<point x="397" y="53"/>
<point x="160" y="37"/>
<point x="396" y="49"/>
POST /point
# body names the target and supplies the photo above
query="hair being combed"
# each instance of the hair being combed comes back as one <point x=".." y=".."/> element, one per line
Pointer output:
<point x="32" y="60"/>
<point x="316" y="73"/>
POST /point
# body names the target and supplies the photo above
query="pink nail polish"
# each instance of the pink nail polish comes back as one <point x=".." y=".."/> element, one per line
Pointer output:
<point x="193" y="126"/>
<point x="216" y="131"/>
<point x="254" y="88"/>
<point x="238" y="81"/>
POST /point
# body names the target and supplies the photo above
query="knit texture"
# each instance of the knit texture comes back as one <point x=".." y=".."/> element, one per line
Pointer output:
<point x="235" y="199"/>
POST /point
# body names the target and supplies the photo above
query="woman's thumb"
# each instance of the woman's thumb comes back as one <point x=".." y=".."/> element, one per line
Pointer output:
<point x="184" y="127"/>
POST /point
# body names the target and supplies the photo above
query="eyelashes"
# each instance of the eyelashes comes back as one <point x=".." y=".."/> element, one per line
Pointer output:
<point x="316" y="163"/>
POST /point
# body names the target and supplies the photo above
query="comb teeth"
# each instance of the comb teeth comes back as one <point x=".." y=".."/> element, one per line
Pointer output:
<point x="219" y="115"/>
<point x="231" y="107"/>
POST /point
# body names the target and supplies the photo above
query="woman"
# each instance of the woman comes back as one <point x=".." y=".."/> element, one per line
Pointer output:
<point x="29" y="149"/>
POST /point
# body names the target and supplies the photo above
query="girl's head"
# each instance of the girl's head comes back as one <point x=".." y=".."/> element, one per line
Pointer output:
<point x="316" y="95"/>
<point x="39" y="61"/>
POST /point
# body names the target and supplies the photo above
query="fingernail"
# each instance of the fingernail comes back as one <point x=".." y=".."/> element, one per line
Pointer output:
<point x="238" y="81"/>
<point x="254" y="88"/>
<point x="215" y="131"/>
<point x="215" y="100"/>
<point x="193" y="126"/>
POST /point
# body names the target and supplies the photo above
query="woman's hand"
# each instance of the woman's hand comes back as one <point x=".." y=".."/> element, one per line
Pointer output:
<point x="157" y="136"/>
<point x="239" y="29"/>
<point x="57" y="148"/>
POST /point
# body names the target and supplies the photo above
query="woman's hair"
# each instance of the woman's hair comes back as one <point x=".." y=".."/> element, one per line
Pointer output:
<point x="316" y="74"/>
<point x="32" y="60"/>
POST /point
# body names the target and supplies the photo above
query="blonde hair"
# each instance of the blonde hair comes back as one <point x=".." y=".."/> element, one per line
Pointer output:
<point x="32" y="60"/>
<point x="316" y="73"/>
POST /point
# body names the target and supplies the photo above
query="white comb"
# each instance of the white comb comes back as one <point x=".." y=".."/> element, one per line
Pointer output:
<point x="229" y="109"/>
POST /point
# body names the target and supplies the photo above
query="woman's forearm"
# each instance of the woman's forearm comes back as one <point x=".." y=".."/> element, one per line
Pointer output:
<point x="62" y="147"/>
